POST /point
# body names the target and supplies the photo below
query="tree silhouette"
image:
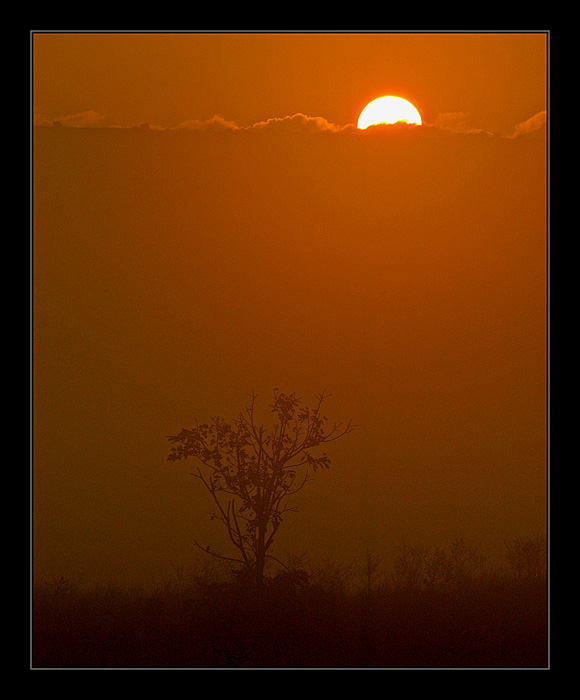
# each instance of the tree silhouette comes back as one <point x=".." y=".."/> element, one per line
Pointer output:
<point x="251" y="471"/>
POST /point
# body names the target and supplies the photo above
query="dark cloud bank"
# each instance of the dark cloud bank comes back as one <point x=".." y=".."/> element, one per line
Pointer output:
<point x="451" y="122"/>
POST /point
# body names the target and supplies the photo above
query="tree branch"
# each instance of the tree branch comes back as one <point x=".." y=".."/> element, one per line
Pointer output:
<point x="214" y="554"/>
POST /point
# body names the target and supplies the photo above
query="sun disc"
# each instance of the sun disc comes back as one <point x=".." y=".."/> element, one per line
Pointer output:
<point x="388" y="110"/>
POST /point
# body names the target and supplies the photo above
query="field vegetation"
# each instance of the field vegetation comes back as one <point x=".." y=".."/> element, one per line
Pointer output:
<point x="435" y="607"/>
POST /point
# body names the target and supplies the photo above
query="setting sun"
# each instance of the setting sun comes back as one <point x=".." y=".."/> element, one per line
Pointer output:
<point x="388" y="110"/>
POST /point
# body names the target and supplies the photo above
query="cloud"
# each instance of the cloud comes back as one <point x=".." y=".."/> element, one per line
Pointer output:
<point x="216" y="123"/>
<point x="299" y="123"/>
<point x="445" y="123"/>
<point x="455" y="122"/>
<point x="530" y="125"/>
<point x="81" y="119"/>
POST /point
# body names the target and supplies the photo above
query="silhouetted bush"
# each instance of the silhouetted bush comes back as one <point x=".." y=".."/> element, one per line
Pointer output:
<point x="528" y="558"/>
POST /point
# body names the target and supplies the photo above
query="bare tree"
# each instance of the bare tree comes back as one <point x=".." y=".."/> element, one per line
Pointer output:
<point x="370" y="571"/>
<point x="419" y="566"/>
<point x="409" y="567"/>
<point x="251" y="471"/>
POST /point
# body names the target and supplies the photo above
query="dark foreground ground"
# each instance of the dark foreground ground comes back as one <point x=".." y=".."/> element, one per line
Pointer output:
<point x="499" y="625"/>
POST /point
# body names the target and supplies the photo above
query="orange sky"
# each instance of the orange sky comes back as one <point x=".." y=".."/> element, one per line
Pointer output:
<point x="177" y="268"/>
<point x="498" y="80"/>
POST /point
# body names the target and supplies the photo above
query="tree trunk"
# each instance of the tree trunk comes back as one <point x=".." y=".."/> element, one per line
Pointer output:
<point x="260" y="558"/>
